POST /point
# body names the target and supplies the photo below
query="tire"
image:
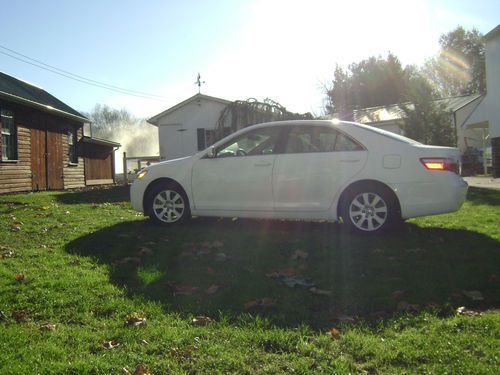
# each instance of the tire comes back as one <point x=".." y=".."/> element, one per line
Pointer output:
<point x="167" y="204"/>
<point x="369" y="209"/>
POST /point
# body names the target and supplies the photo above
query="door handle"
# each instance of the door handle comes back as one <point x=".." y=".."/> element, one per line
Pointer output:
<point x="262" y="164"/>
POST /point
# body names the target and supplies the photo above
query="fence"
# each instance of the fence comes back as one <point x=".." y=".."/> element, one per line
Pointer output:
<point x="133" y="164"/>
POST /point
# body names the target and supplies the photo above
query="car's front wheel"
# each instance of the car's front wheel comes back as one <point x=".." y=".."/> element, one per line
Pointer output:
<point x="167" y="204"/>
<point x="369" y="209"/>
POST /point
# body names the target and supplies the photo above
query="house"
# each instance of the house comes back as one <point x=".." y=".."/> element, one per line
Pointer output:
<point x="485" y="119"/>
<point x="189" y="126"/>
<point x="41" y="138"/>
<point x="99" y="160"/>
<point x="392" y="118"/>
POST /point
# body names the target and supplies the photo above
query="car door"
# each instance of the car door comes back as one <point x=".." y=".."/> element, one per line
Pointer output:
<point x="316" y="162"/>
<point x="239" y="177"/>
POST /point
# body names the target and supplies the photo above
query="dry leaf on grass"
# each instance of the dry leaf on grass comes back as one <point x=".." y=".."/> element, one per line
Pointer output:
<point x="465" y="311"/>
<point x="47" y="327"/>
<point x="262" y="302"/>
<point x="145" y="251"/>
<point x="334" y="333"/>
<point x="110" y="344"/>
<point x="320" y="292"/>
<point x="7" y="254"/>
<point x="299" y="254"/>
<point x="398" y="294"/>
<point x="20" y="277"/>
<point x="287" y="272"/>
<point x="183" y="290"/>
<point x="201" y="321"/>
<point x="212" y="289"/>
<point x="475" y="295"/>
<point x="210" y="271"/>
<point x="21" y="315"/>
<point x="135" y="319"/>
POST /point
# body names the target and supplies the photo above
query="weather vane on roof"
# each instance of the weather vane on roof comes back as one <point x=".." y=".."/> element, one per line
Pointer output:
<point x="199" y="82"/>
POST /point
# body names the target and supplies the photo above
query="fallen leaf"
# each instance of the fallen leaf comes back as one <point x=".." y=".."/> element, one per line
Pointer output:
<point x="287" y="272"/>
<point x="464" y="311"/>
<point x="378" y="251"/>
<point x="3" y="317"/>
<point x="184" y="290"/>
<point x="299" y="254"/>
<point x="130" y="260"/>
<point x="263" y="302"/>
<point x="475" y="295"/>
<point x="210" y="271"/>
<point x="7" y="254"/>
<point x="217" y="244"/>
<point x="110" y="344"/>
<point x="221" y="257"/>
<point x="320" y="292"/>
<point x="47" y="327"/>
<point x="408" y="307"/>
<point x="292" y="282"/>
<point x="21" y="315"/>
<point x="20" y="277"/>
<point x="15" y="228"/>
<point x="334" y="333"/>
<point x="201" y="321"/>
<point x="493" y="278"/>
<point x="212" y="289"/>
<point x="125" y="371"/>
<point x="135" y="319"/>
<point x="144" y="342"/>
<point x="397" y="294"/>
<point x="145" y="251"/>
<point x="142" y="370"/>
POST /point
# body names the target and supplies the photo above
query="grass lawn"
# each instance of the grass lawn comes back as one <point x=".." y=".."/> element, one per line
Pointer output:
<point x="89" y="286"/>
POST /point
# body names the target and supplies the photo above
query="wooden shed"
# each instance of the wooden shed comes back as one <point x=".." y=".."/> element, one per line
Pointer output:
<point x="99" y="158"/>
<point x="40" y="142"/>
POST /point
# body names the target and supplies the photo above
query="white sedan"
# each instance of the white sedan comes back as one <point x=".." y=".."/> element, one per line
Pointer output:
<point x="309" y="170"/>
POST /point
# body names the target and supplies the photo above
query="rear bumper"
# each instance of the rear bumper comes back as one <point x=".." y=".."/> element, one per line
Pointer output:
<point x="442" y="195"/>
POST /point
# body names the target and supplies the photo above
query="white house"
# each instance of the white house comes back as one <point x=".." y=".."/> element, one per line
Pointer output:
<point x="392" y="118"/>
<point x="485" y="119"/>
<point x="189" y="126"/>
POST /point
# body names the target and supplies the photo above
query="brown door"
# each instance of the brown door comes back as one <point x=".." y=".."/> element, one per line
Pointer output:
<point x="46" y="157"/>
<point x="38" y="160"/>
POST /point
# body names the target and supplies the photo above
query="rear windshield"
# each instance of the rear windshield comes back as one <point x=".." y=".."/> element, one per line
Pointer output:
<point x="389" y="134"/>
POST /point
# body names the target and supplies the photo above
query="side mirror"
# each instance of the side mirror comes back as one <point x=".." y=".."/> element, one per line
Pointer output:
<point x="211" y="152"/>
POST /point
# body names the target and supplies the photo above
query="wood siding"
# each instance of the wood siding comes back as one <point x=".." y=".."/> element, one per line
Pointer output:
<point x="74" y="175"/>
<point x="99" y="164"/>
<point x="42" y="146"/>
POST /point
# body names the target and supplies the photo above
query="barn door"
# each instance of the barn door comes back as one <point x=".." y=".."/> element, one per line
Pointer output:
<point x="46" y="157"/>
<point x="38" y="160"/>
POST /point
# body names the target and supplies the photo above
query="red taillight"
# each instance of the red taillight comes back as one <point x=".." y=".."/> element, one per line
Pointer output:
<point x="440" y="164"/>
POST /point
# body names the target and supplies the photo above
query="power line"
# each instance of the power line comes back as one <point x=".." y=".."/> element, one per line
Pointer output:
<point x="39" y="64"/>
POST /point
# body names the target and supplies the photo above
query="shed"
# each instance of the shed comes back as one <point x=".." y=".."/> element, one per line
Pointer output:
<point x="99" y="160"/>
<point x="39" y="137"/>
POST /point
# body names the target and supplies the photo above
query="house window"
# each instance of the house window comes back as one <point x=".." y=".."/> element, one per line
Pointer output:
<point x="200" y="133"/>
<point x="9" y="135"/>
<point x="73" y="157"/>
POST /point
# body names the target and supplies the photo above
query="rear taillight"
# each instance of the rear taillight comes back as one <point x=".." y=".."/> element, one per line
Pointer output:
<point x="440" y="164"/>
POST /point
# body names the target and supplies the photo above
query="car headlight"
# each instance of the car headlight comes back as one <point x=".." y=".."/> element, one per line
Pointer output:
<point x="141" y="174"/>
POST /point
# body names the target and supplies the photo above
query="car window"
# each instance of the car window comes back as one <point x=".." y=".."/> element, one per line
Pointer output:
<point x="261" y="141"/>
<point x="309" y="138"/>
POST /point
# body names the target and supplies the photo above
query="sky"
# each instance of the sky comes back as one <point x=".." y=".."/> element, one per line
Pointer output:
<point x="285" y="50"/>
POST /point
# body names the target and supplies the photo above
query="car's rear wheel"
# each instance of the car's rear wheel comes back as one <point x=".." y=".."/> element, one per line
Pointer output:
<point x="369" y="209"/>
<point x="168" y="204"/>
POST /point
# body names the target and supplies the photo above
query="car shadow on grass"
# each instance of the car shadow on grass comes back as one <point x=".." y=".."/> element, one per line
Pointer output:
<point x="296" y="272"/>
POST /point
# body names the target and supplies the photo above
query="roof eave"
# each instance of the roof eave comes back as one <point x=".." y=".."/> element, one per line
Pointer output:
<point x="43" y="107"/>
<point x="99" y="141"/>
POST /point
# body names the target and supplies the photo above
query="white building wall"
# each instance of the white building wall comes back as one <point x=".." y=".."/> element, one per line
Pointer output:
<point x="177" y="130"/>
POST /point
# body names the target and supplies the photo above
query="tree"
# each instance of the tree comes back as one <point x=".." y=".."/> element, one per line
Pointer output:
<point x="427" y="120"/>
<point x="369" y="83"/>
<point x="459" y="68"/>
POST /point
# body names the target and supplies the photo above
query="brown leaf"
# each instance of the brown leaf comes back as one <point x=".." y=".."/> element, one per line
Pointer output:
<point x="212" y="289"/>
<point x="20" y="277"/>
<point x="47" y="327"/>
<point x="475" y="295"/>
<point x="141" y="370"/>
<point x="210" y="271"/>
<point x="145" y="251"/>
<point x="287" y="272"/>
<point x="184" y="290"/>
<point x="110" y="344"/>
<point x="397" y="294"/>
<point x="130" y="260"/>
<point x="334" y="333"/>
<point x="7" y="254"/>
<point x="135" y="319"/>
<point x="201" y="321"/>
<point x="464" y="311"/>
<point x="299" y="254"/>
<point x="21" y="315"/>
<point x="262" y="302"/>
<point x="320" y="292"/>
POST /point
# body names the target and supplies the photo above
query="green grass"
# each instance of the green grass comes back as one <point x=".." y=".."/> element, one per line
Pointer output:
<point x="89" y="262"/>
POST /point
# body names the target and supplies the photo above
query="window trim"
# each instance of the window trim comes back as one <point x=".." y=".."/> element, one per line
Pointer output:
<point x="12" y="133"/>
<point x="72" y="136"/>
